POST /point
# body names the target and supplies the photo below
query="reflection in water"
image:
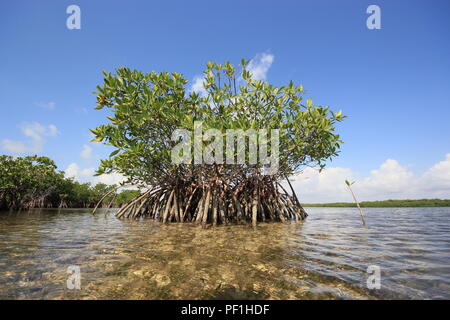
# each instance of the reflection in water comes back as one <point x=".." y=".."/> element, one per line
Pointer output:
<point x="324" y="257"/>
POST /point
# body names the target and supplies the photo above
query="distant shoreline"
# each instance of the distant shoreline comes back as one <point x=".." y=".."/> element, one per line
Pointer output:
<point x="385" y="203"/>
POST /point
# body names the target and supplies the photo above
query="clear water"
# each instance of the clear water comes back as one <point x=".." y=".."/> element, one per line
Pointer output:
<point x="324" y="257"/>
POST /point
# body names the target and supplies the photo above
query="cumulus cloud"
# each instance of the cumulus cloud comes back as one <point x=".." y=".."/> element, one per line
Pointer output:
<point x="109" y="179"/>
<point x="36" y="134"/>
<point x="260" y="65"/>
<point x="436" y="180"/>
<point x="390" y="181"/>
<point x="86" y="153"/>
<point x="74" y="171"/>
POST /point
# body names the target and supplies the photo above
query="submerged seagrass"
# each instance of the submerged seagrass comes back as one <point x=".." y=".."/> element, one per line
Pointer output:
<point x="147" y="109"/>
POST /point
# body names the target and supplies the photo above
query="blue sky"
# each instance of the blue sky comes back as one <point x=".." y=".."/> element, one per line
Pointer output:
<point x="392" y="83"/>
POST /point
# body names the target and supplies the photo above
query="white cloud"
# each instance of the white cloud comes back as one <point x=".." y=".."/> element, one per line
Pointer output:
<point x="437" y="179"/>
<point x="16" y="147"/>
<point x="46" y="105"/>
<point x="73" y="170"/>
<point x="36" y="133"/>
<point x="197" y="86"/>
<point x="87" y="172"/>
<point x="86" y="153"/>
<point x="260" y="65"/>
<point x="109" y="179"/>
<point x="390" y="181"/>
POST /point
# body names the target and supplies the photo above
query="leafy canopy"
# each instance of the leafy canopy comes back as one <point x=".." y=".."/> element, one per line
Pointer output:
<point x="146" y="108"/>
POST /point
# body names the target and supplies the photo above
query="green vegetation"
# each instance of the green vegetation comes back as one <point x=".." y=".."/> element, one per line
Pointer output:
<point x="349" y="186"/>
<point x="35" y="182"/>
<point x="144" y="110"/>
<point x="387" y="203"/>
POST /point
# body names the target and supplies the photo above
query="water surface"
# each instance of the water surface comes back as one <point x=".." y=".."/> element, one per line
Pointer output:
<point x="324" y="257"/>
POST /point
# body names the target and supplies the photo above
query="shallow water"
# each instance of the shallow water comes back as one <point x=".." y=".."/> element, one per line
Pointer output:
<point x="324" y="257"/>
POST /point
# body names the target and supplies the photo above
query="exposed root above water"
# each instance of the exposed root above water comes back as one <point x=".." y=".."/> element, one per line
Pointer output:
<point x="216" y="202"/>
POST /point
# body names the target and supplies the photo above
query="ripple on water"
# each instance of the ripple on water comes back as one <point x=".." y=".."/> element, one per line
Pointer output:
<point x="324" y="257"/>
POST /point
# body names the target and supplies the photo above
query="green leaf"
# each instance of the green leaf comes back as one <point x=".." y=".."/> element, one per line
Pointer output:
<point x="97" y="139"/>
<point x="112" y="154"/>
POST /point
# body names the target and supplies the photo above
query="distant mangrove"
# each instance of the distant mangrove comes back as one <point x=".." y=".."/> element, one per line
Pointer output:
<point x="386" y="203"/>
<point x="34" y="182"/>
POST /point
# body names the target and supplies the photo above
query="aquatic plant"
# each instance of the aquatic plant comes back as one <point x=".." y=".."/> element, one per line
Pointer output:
<point x="349" y="186"/>
<point x="145" y="112"/>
